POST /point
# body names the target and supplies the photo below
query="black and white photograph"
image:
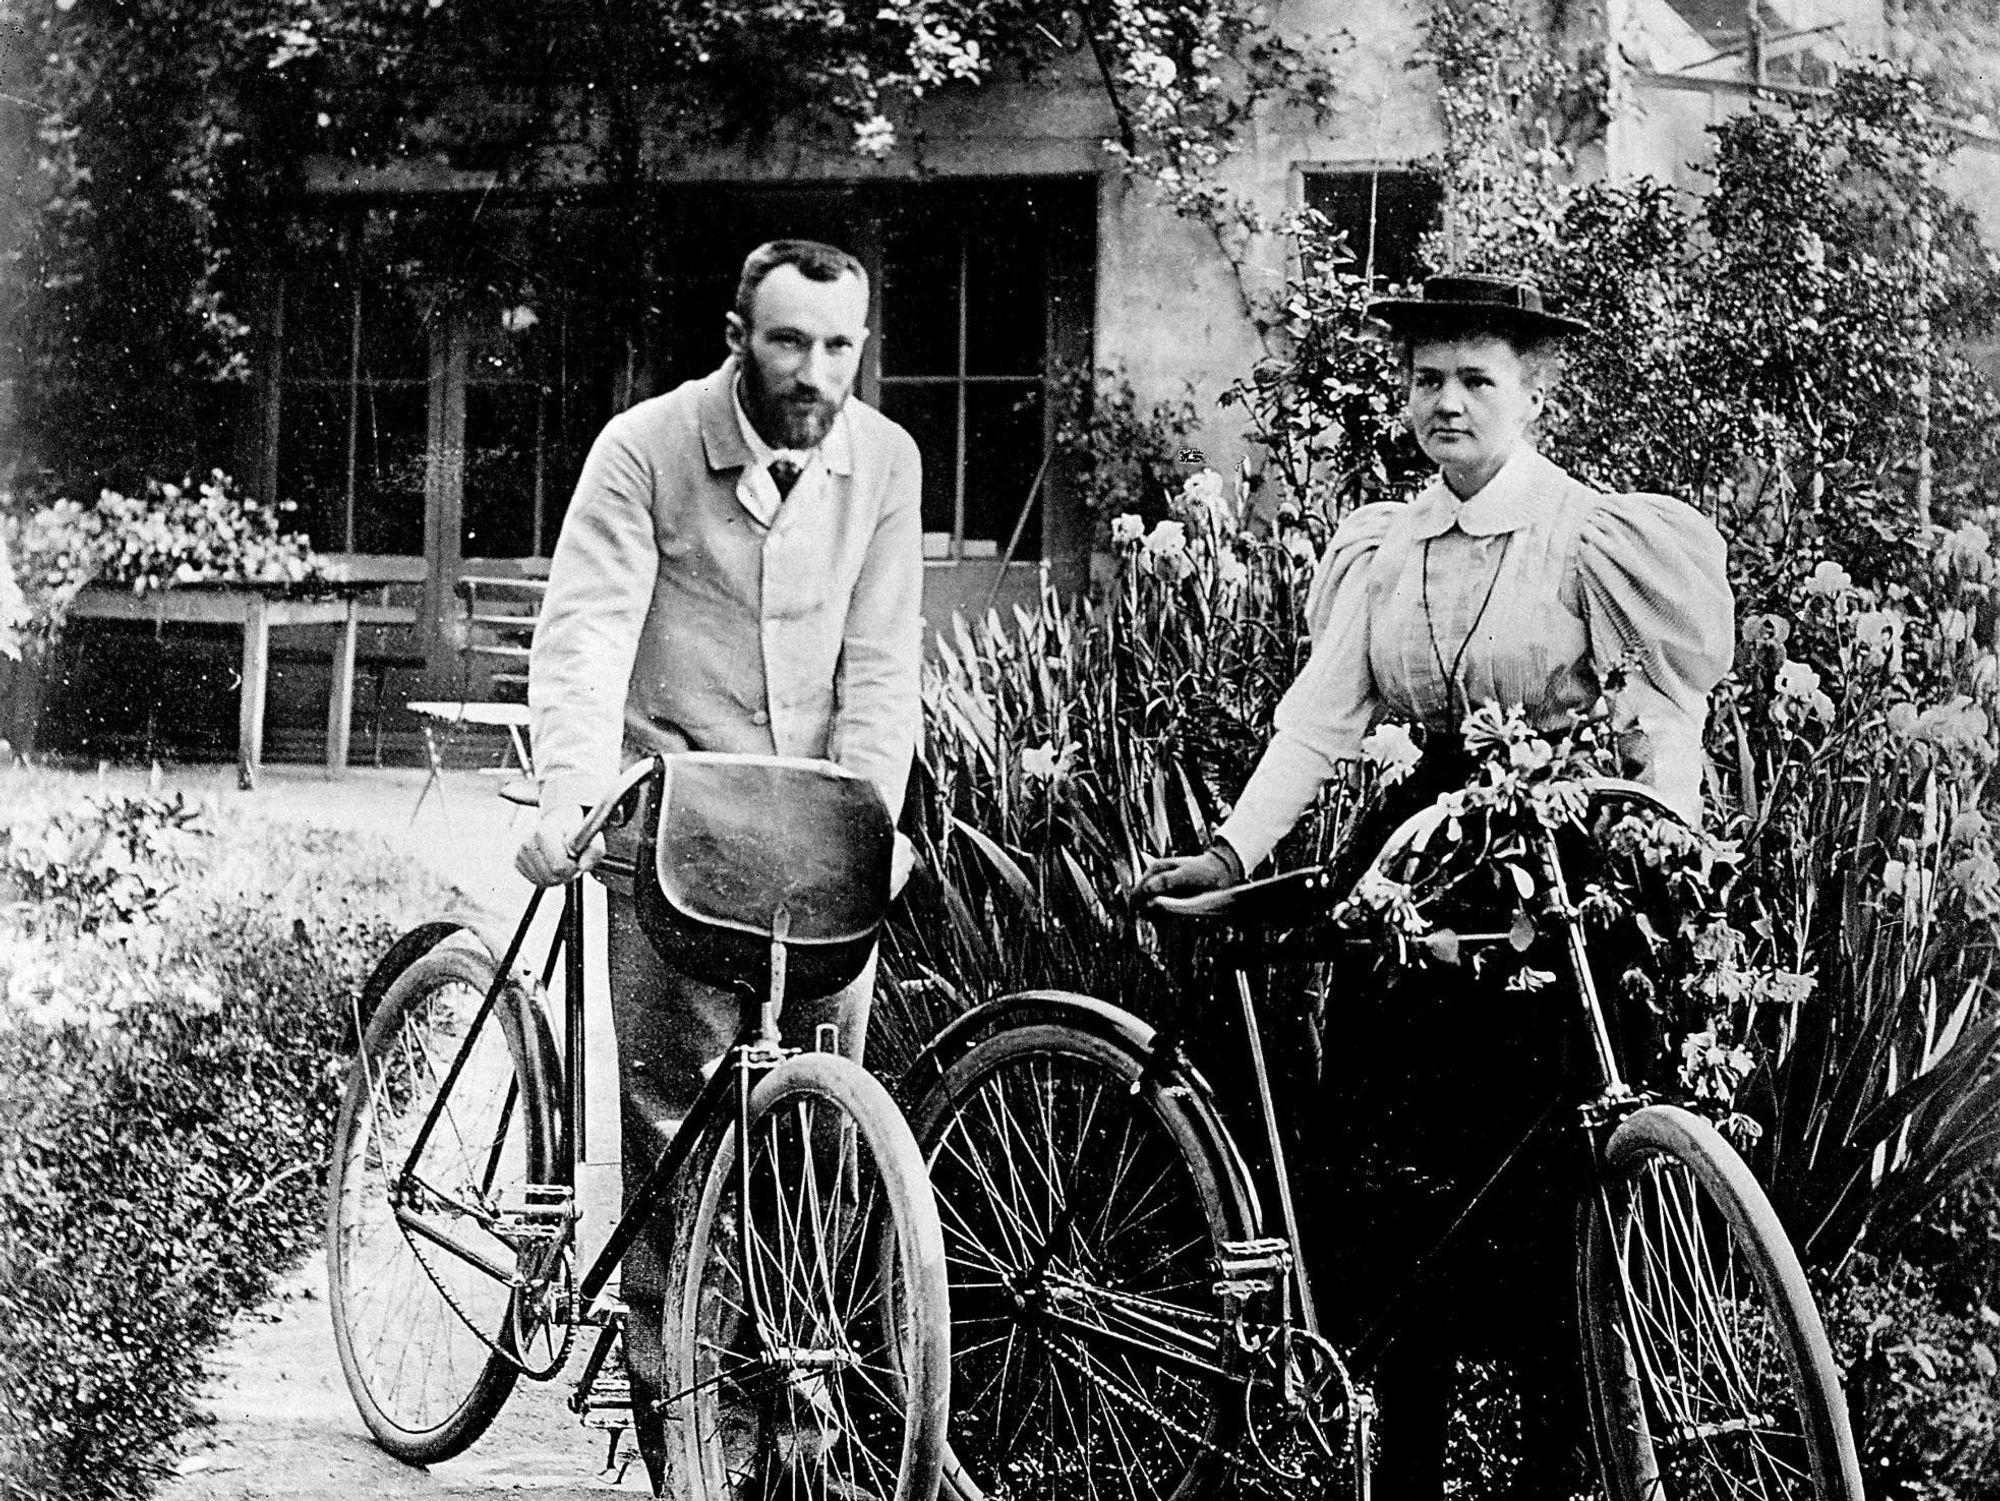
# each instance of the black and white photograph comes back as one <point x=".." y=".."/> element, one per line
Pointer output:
<point x="1000" y="750"/>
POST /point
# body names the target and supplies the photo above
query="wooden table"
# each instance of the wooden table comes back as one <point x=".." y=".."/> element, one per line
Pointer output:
<point x="258" y="613"/>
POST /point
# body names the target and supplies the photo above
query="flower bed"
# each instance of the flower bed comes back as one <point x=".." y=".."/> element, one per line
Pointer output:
<point x="173" y="1009"/>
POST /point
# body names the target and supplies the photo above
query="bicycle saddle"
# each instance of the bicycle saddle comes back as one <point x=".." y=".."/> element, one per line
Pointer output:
<point x="744" y="845"/>
<point x="1281" y="901"/>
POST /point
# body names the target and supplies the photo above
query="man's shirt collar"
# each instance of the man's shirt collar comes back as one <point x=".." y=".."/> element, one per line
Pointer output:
<point x="1506" y="503"/>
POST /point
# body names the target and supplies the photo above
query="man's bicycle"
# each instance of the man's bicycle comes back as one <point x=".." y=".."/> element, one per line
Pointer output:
<point x="806" y="1319"/>
<point x="1131" y="1323"/>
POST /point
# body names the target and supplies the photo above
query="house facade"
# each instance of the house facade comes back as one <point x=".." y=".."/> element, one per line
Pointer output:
<point x="428" y="423"/>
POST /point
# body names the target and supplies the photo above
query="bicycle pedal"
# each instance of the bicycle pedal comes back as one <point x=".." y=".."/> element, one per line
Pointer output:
<point x="534" y="1212"/>
<point x="1249" y="1267"/>
<point x="608" y="1404"/>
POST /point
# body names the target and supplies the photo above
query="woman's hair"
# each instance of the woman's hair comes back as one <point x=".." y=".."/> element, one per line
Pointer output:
<point x="1539" y="353"/>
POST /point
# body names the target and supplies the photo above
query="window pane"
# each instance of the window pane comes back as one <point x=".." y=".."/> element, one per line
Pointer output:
<point x="1005" y="299"/>
<point x="931" y="415"/>
<point x="920" y="299"/>
<point x="395" y="336"/>
<point x="502" y="455"/>
<point x="319" y="326"/>
<point x="390" y="436"/>
<point x="1003" y="451"/>
<point x="312" y="462"/>
<point x="1403" y="207"/>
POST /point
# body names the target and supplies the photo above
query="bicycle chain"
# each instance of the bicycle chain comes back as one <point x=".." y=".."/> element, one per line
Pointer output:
<point x="533" y="1373"/>
<point x="1251" y="1463"/>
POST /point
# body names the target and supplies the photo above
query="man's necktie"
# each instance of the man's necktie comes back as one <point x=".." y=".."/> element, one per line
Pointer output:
<point x="784" y="474"/>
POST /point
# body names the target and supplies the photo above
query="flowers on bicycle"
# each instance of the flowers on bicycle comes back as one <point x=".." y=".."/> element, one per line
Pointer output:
<point x="1392" y="752"/>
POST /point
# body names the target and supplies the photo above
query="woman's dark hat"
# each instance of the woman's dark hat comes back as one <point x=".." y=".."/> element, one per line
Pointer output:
<point x="1454" y="301"/>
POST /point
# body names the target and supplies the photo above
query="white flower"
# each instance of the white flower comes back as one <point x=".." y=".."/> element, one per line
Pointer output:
<point x="518" y="320"/>
<point x="1044" y="763"/>
<point x="1954" y="625"/>
<point x="874" y="136"/>
<point x="1231" y="572"/>
<point x="1166" y="537"/>
<point x="1967" y="546"/>
<point x="1126" y="530"/>
<point x="1389" y="748"/>
<point x="1204" y="499"/>
<point x="1908" y="883"/>
<point x="1203" y="487"/>
<point x="1796" y="680"/>
<point x="1829" y="578"/>
<point x="1880" y="632"/>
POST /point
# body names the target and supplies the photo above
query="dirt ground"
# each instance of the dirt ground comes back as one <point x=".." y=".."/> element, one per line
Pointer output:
<point x="278" y="1423"/>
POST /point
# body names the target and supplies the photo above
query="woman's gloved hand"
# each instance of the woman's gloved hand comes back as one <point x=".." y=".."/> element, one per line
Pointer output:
<point x="1189" y="875"/>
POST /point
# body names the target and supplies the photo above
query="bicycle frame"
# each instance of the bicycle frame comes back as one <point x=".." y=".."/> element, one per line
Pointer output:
<point x="1610" y="1098"/>
<point x="755" y="1052"/>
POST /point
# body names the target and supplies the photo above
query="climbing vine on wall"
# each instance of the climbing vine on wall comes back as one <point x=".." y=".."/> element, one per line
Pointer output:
<point x="168" y="142"/>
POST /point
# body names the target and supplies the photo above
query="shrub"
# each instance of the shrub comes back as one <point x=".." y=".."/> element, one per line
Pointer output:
<point x="1922" y="1382"/>
<point x="167" y="1084"/>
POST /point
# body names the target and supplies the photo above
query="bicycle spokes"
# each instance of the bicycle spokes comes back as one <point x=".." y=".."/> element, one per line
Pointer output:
<point x="1719" y="1414"/>
<point x="797" y="1336"/>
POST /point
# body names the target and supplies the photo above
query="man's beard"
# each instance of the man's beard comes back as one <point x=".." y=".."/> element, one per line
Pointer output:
<point x="791" y="421"/>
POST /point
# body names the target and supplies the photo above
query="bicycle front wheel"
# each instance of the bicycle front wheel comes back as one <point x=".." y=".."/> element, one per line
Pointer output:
<point x="1708" y="1367"/>
<point x="810" y="1335"/>
<point x="425" y="1313"/>
<point x="1083" y="1214"/>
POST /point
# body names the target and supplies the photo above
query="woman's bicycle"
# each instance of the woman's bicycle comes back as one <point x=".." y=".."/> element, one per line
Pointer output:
<point x="1131" y="1323"/>
<point x="806" y="1320"/>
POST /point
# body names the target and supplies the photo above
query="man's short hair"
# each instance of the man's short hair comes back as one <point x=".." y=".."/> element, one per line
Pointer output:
<point x="816" y="261"/>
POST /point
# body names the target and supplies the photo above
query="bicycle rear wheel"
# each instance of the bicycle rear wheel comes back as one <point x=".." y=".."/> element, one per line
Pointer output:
<point x="1708" y="1368"/>
<point x="425" y="1323"/>
<point x="1083" y="1213"/>
<point x="842" y="1390"/>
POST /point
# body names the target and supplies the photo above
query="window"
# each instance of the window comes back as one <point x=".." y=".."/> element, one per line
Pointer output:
<point x="1384" y="212"/>
<point x="981" y="289"/>
<point x="537" y="389"/>
<point x="963" y="342"/>
<point x="353" y="411"/>
<point x="410" y="417"/>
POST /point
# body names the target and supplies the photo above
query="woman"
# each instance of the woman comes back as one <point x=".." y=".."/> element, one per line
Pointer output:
<point x="1505" y="581"/>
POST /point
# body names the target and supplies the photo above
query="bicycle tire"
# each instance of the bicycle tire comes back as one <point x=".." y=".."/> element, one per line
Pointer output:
<point x="428" y="1385"/>
<point x="1707" y="1365"/>
<point x="1054" y="1409"/>
<point x="850" y="1396"/>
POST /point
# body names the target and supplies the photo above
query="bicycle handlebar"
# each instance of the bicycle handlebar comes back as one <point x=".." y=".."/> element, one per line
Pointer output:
<point x="1273" y="893"/>
<point x="594" y="822"/>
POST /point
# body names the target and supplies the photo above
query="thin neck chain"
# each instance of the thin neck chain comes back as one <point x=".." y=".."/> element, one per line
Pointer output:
<point x="1458" y="700"/>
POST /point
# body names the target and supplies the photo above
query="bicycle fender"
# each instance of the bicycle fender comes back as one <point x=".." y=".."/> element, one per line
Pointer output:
<point x="1100" y="1019"/>
<point x="408" y="948"/>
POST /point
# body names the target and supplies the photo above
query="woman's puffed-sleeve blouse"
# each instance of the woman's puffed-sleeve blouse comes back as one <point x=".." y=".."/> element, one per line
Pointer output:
<point x="1529" y="593"/>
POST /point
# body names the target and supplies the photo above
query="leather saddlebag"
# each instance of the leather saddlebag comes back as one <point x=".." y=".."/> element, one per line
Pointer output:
<point x="735" y="840"/>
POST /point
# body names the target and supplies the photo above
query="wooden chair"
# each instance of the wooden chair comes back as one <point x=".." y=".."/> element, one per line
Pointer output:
<point x="498" y="620"/>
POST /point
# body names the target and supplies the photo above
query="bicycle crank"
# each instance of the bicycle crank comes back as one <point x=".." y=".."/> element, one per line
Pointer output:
<point x="1299" y="1404"/>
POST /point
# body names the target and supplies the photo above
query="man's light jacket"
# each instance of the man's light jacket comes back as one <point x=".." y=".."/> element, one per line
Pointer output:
<point x="677" y="619"/>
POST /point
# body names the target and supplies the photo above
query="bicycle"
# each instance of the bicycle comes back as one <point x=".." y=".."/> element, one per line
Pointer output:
<point x="806" y="1319"/>
<point x="1128" y="1323"/>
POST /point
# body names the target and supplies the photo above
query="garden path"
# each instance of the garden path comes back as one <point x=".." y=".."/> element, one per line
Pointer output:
<point x="276" y="1418"/>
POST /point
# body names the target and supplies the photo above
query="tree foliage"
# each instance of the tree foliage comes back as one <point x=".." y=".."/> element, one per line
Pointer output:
<point x="174" y="142"/>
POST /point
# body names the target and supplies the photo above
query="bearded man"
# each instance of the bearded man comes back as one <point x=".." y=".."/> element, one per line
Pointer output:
<point x="740" y="570"/>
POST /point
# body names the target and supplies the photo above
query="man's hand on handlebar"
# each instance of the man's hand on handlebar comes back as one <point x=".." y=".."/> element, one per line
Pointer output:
<point x="544" y="856"/>
<point x="1185" y="875"/>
